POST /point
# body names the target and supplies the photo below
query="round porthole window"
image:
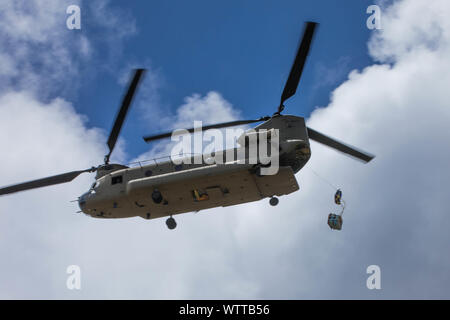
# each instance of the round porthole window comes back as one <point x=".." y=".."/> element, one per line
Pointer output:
<point x="148" y="173"/>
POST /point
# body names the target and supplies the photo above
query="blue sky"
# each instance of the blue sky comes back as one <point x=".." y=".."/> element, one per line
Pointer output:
<point x="242" y="49"/>
<point x="60" y="90"/>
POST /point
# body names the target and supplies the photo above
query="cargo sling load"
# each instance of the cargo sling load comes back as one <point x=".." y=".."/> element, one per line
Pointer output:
<point x="335" y="220"/>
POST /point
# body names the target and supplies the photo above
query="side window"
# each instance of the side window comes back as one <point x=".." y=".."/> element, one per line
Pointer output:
<point x="116" y="180"/>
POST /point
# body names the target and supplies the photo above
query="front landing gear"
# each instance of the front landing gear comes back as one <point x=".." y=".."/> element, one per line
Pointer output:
<point x="273" y="201"/>
<point x="171" y="223"/>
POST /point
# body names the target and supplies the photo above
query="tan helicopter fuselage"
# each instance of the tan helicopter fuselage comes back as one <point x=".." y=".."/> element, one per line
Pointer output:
<point x="121" y="192"/>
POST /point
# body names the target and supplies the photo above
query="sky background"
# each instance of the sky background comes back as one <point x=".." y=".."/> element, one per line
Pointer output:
<point x="385" y="91"/>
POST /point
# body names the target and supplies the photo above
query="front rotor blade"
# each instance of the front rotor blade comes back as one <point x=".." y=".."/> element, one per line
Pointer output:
<point x="297" y="68"/>
<point x="330" y="142"/>
<point x="213" y="126"/>
<point x="44" y="182"/>
<point x="120" y="118"/>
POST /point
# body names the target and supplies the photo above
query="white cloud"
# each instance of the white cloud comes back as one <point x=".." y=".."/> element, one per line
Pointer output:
<point x="209" y="109"/>
<point x="121" y="23"/>
<point x="35" y="44"/>
<point x="39" y="140"/>
<point x="419" y="27"/>
<point x="396" y="214"/>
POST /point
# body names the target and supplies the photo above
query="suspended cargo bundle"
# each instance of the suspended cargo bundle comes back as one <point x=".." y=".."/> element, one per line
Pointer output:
<point x="335" y="221"/>
<point x="338" y="197"/>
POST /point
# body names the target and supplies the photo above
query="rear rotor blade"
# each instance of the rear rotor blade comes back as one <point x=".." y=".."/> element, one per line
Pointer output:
<point x="120" y="118"/>
<point x="297" y="68"/>
<point x="330" y="142"/>
<point x="44" y="182"/>
<point x="213" y="126"/>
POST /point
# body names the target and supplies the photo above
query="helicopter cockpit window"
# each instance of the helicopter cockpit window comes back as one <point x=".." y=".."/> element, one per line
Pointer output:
<point x="116" y="180"/>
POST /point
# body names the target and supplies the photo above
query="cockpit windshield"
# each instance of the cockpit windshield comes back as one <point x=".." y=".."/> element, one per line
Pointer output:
<point x="94" y="185"/>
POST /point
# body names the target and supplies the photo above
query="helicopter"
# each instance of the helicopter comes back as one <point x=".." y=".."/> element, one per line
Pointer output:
<point x="165" y="189"/>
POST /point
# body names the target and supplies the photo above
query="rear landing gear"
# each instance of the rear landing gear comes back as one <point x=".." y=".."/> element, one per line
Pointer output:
<point x="273" y="201"/>
<point x="171" y="223"/>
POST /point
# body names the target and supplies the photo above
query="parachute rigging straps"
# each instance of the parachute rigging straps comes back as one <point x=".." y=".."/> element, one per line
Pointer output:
<point x="340" y="202"/>
<point x="325" y="180"/>
<point x="343" y="208"/>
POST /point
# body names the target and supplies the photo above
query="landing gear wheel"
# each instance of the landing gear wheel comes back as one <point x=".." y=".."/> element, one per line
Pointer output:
<point x="171" y="223"/>
<point x="273" y="201"/>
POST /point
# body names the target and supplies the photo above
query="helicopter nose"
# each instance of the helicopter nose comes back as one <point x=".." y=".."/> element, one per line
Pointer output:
<point x="81" y="204"/>
<point x="82" y="201"/>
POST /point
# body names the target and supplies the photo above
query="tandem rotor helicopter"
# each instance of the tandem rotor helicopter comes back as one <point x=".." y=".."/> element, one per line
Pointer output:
<point x="165" y="189"/>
